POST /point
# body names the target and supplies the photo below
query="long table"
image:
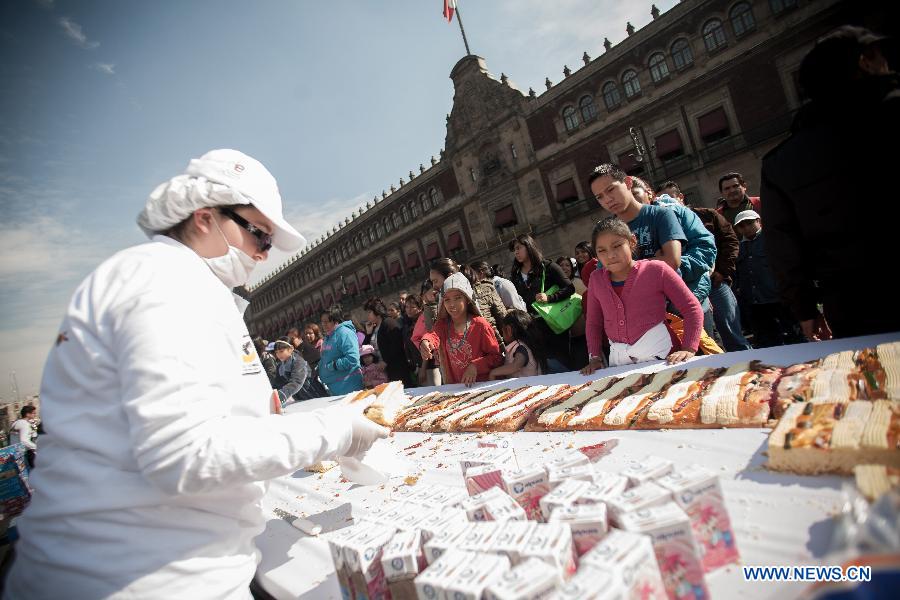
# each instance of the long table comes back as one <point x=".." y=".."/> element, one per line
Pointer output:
<point x="779" y="519"/>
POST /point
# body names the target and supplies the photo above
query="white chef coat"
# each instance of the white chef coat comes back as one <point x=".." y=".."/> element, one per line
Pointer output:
<point x="156" y="409"/>
<point x="20" y="433"/>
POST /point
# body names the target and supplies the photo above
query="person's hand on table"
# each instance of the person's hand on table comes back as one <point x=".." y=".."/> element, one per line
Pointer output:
<point x="816" y="330"/>
<point x="493" y="376"/>
<point x="469" y="375"/>
<point x="680" y="356"/>
<point x="426" y="350"/>
<point x="596" y="362"/>
<point x="540" y="297"/>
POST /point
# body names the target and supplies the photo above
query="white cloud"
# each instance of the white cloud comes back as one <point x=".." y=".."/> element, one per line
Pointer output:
<point x="76" y="34"/>
<point x="107" y="68"/>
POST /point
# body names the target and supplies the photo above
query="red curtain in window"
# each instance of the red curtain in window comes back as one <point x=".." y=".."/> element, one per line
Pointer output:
<point x="505" y="216"/>
<point x="628" y="163"/>
<point x="713" y="122"/>
<point x="364" y="283"/>
<point x="668" y="143"/>
<point x="412" y="261"/>
<point x="351" y="289"/>
<point x="379" y="276"/>
<point x="565" y="191"/>
<point x="454" y="242"/>
<point x="432" y="252"/>
<point x="394" y="269"/>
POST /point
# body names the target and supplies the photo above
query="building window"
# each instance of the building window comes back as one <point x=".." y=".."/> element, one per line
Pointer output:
<point x="387" y="225"/>
<point x="659" y="70"/>
<point x="669" y="146"/>
<point x="404" y="213"/>
<point x="631" y="83"/>
<point x="681" y="54"/>
<point x="424" y="199"/>
<point x="570" y="118"/>
<point x="397" y="221"/>
<point x="588" y="108"/>
<point x="611" y="96"/>
<point x="414" y="209"/>
<point x="371" y="235"/>
<point x="713" y="126"/>
<point x="512" y="150"/>
<point x="742" y="19"/>
<point x="713" y="35"/>
<point x="779" y="6"/>
<point x="434" y="197"/>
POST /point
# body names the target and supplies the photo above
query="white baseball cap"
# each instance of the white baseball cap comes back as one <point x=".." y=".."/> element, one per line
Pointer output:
<point x="744" y="215"/>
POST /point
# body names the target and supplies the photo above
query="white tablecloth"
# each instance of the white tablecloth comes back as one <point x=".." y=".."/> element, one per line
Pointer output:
<point x="779" y="519"/>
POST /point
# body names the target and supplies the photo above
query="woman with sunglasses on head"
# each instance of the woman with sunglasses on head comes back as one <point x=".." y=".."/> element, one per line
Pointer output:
<point x="159" y="428"/>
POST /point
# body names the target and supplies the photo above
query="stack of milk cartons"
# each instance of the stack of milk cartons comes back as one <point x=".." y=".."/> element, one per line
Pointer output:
<point x="461" y="575"/>
<point x="631" y="558"/>
<point x="532" y="580"/>
<point x="402" y="560"/>
<point x="357" y="552"/>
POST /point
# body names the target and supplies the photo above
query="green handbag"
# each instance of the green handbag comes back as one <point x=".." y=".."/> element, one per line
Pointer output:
<point x="559" y="316"/>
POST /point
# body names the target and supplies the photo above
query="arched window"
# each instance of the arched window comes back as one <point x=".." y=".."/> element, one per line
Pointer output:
<point x="414" y="209"/>
<point x="681" y="54"/>
<point x="425" y="204"/>
<point x="631" y="84"/>
<point x="371" y="235"/>
<point x="742" y="19"/>
<point x="379" y="232"/>
<point x="659" y="70"/>
<point x="357" y="245"/>
<point x="404" y="213"/>
<point x="388" y="226"/>
<point x="713" y="35"/>
<point x="588" y="110"/>
<point x="611" y="96"/>
<point x="434" y="197"/>
<point x="397" y="221"/>
<point x="570" y="118"/>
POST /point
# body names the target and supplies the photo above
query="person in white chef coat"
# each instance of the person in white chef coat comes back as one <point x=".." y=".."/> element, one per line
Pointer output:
<point x="159" y="436"/>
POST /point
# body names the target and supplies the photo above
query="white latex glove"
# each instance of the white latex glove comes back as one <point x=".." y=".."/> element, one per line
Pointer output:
<point x="363" y="434"/>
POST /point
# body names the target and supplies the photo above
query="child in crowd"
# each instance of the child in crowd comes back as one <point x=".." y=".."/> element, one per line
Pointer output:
<point x="461" y="337"/>
<point x="373" y="369"/>
<point x="627" y="303"/>
<point x="524" y="357"/>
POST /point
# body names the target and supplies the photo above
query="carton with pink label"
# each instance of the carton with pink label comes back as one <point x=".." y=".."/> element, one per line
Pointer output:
<point x="643" y="496"/>
<point x="587" y="522"/>
<point x="675" y="547"/>
<point x="606" y="485"/>
<point x="481" y="478"/>
<point x="474" y="505"/>
<point x="402" y="560"/>
<point x="511" y="539"/>
<point x="565" y="494"/>
<point x="362" y="560"/>
<point x="527" y="487"/>
<point x="552" y="543"/>
<point x="697" y="490"/>
<point x="531" y="580"/>
<point x="593" y="582"/>
<point x="504" y="509"/>
<point x="631" y="556"/>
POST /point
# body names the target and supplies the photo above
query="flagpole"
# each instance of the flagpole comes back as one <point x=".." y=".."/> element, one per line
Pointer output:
<point x="462" y="29"/>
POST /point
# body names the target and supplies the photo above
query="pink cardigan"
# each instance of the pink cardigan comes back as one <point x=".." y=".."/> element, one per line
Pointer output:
<point x="643" y="306"/>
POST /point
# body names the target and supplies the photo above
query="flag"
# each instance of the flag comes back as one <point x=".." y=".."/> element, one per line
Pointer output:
<point x="449" y="9"/>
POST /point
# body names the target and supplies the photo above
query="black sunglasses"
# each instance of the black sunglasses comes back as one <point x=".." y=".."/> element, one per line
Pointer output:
<point x="263" y="239"/>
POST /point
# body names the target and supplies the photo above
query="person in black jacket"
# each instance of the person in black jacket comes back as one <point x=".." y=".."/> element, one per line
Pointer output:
<point x="386" y="336"/>
<point x="827" y="239"/>
<point x="532" y="276"/>
<point x="269" y="363"/>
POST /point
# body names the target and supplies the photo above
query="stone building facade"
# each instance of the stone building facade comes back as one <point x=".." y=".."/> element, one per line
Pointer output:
<point x="705" y="88"/>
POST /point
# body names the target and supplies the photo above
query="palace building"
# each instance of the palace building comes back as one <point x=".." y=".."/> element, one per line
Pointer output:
<point x="706" y="88"/>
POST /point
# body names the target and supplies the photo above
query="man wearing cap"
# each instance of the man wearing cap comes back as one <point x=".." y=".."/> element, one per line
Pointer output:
<point x="770" y="322"/>
<point x="157" y="408"/>
<point x="826" y="241"/>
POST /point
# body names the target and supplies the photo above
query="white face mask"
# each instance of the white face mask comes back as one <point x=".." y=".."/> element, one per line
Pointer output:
<point x="234" y="267"/>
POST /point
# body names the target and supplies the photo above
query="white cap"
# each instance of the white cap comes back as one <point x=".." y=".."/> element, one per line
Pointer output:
<point x="458" y="281"/>
<point x="746" y="215"/>
<point x="219" y="178"/>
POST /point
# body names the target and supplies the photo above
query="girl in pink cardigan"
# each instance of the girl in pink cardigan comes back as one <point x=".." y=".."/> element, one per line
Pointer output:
<point x="627" y="303"/>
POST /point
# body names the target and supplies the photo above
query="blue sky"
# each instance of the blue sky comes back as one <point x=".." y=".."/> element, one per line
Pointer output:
<point x="104" y="99"/>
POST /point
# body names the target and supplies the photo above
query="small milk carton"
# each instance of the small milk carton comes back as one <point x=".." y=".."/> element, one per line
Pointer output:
<point x="440" y="520"/>
<point x="676" y="549"/>
<point x="571" y="458"/>
<point x="362" y="558"/>
<point x="376" y="513"/>
<point x="643" y="496"/>
<point x="593" y="582"/>
<point x="476" y="537"/>
<point x="483" y="477"/>
<point x="531" y="580"/>
<point x="447" y="497"/>
<point x="424" y="492"/>
<point x="631" y="555"/>
<point x="582" y="472"/>
<point x="606" y="485"/>
<point x="474" y="506"/>
<point x="402" y="560"/>
<point x="587" y="522"/>
<point x="510" y="540"/>
<point x="495" y="441"/>
<point x="432" y="583"/>
<point x="481" y="571"/>
<point x="527" y="487"/>
<point x="336" y="542"/>
<point x="565" y="494"/>
<point x="499" y="457"/>
<point x="443" y="540"/>
<point x="552" y="543"/>
<point x="698" y="492"/>
<point x="410" y="520"/>
<point x="652" y="467"/>
<point x="504" y="509"/>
